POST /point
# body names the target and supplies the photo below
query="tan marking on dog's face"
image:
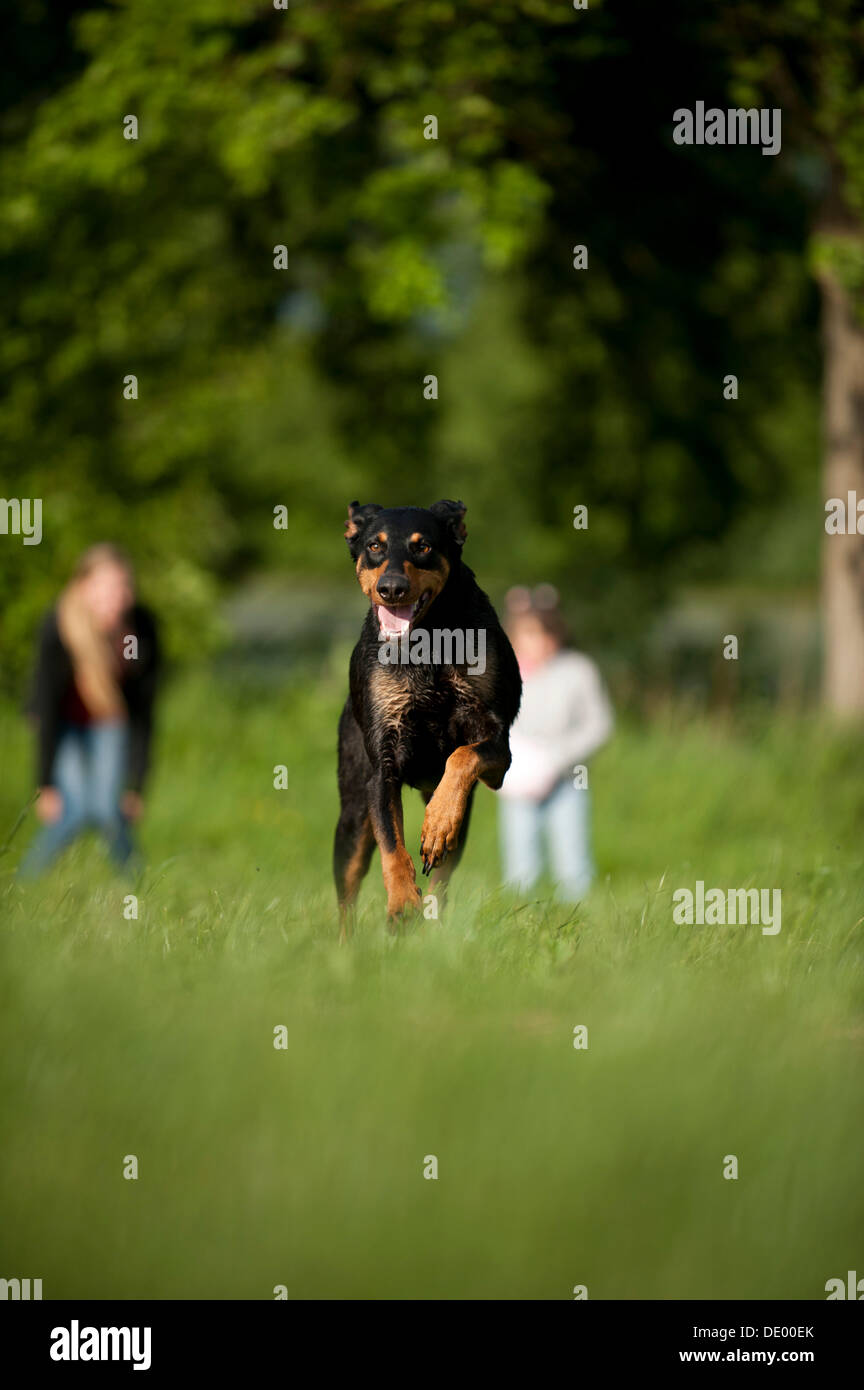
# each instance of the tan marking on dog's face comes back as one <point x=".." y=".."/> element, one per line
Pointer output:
<point x="369" y="579"/>
<point x="426" y="581"/>
<point x="420" y="581"/>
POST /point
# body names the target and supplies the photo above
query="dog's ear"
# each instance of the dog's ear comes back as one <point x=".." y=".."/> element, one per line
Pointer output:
<point x="357" y="518"/>
<point x="452" y="515"/>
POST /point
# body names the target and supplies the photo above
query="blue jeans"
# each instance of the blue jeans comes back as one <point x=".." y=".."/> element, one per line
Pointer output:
<point x="564" y="821"/>
<point x="89" y="772"/>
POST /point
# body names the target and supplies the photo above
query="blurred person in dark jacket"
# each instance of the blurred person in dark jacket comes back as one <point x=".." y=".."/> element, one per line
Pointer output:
<point x="97" y="671"/>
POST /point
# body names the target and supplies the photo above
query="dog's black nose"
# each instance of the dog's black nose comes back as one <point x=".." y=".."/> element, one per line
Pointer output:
<point x="393" y="587"/>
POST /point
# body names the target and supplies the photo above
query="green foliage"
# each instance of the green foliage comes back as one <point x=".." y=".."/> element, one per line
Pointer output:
<point x="155" y="257"/>
<point x="258" y="387"/>
<point x="809" y="57"/>
<point x="841" y="257"/>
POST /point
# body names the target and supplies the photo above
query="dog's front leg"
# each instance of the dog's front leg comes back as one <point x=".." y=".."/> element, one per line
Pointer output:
<point x="385" y="805"/>
<point x="486" y="761"/>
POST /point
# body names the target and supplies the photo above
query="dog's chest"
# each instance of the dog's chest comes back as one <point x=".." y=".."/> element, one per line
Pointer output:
<point x="418" y="707"/>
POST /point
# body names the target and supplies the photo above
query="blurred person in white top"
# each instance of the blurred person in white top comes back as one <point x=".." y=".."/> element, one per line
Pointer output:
<point x="565" y="716"/>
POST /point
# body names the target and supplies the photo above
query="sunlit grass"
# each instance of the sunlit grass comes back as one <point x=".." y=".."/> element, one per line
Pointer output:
<point x="453" y="1038"/>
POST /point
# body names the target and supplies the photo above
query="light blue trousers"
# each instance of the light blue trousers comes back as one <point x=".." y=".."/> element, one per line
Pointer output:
<point x="90" y="774"/>
<point x="563" y="821"/>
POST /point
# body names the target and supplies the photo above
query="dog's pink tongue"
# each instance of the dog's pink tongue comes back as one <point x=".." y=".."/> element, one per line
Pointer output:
<point x="394" y="622"/>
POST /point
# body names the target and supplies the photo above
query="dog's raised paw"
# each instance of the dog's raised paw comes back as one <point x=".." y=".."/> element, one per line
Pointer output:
<point x="440" y="833"/>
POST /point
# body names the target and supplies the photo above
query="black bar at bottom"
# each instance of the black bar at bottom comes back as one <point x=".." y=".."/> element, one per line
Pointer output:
<point x="67" y="1338"/>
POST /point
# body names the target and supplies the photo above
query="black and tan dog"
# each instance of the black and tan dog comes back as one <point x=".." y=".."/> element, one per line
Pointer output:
<point x="439" y="725"/>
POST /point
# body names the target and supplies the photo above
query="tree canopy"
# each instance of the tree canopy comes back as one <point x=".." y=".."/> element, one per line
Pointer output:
<point x="307" y="128"/>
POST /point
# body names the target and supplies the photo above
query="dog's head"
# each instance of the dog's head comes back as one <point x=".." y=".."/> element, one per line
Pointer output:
<point x="403" y="557"/>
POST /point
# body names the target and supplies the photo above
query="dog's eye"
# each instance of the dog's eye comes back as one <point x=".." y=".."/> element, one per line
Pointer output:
<point x="422" y="548"/>
<point x="375" y="545"/>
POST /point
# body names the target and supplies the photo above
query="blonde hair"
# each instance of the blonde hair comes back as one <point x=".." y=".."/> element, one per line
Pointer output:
<point x="94" y="661"/>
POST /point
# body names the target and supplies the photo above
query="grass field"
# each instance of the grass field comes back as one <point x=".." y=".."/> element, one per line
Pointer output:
<point x="558" y="1167"/>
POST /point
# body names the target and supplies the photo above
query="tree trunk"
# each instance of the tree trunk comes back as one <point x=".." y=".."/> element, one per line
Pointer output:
<point x="843" y="472"/>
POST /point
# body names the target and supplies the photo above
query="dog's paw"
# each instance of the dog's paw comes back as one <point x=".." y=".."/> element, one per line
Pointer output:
<point x="441" y="827"/>
<point x="403" y="895"/>
<point x="403" y="903"/>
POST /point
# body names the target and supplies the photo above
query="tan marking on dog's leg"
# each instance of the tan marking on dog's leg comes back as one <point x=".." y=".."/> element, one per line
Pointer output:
<point x="445" y="812"/>
<point x="439" y="881"/>
<point x="397" y="867"/>
<point x="355" y="869"/>
<point x="400" y="881"/>
<point x="352" y="876"/>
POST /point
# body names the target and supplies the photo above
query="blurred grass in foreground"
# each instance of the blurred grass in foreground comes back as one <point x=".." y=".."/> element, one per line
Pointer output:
<point x="556" y="1167"/>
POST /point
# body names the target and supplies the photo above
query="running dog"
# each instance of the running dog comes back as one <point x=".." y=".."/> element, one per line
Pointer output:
<point x="419" y="711"/>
